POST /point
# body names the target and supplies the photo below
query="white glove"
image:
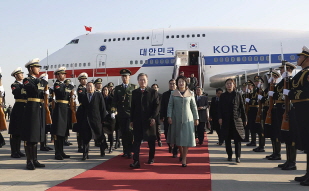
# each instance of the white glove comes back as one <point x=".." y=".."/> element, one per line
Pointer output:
<point x="259" y="85"/>
<point x="47" y="92"/>
<point x="247" y="100"/>
<point x="74" y="92"/>
<point x="44" y="77"/>
<point x="248" y="91"/>
<point x="271" y="93"/>
<point x="270" y="79"/>
<point x="51" y="87"/>
<point x="286" y="92"/>
<point x="284" y="75"/>
<point x="1" y="89"/>
<point x="113" y="115"/>
<point x="260" y="97"/>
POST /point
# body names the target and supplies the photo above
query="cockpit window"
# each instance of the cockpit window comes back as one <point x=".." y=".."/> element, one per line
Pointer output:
<point x="74" y="41"/>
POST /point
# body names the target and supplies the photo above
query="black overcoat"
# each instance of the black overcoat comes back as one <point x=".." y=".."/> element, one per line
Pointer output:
<point x="81" y="92"/>
<point x="144" y="107"/>
<point x="94" y="114"/>
<point x="164" y="103"/>
<point x="34" y="113"/>
<point x="238" y="113"/>
<point x="109" y="122"/>
<point x="202" y="102"/>
<point x="19" y="93"/>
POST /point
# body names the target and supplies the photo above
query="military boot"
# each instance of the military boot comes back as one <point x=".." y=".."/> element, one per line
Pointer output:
<point x="79" y="143"/>
<point x="85" y="151"/>
<point x="18" y="143"/>
<point x="13" y="144"/>
<point x="291" y="165"/>
<point x="61" y="142"/>
<point x="35" y="157"/>
<point x="306" y="176"/>
<point x="30" y="165"/>
<point x="277" y="155"/>
<point x="57" y="148"/>
<point x="273" y="147"/>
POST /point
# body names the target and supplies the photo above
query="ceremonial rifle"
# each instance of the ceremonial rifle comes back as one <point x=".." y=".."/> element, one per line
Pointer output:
<point x="271" y="99"/>
<point x="73" y="107"/>
<point x="259" y="113"/>
<point x="46" y="102"/>
<point x="285" y="126"/>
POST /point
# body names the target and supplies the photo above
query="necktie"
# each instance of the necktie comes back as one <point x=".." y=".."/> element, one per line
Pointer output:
<point x="142" y="91"/>
<point x="90" y="96"/>
<point x="217" y="99"/>
<point x="125" y="86"/>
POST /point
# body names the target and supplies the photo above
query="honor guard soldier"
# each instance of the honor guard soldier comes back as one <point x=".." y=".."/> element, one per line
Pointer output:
<point x="122" y="104"/>
<point x="259" y="126"/>
<point x="252" y="108"/>
<point x="299" y="96"/>
<point x="111" y="89"/>
<point x="271" y="128"/>
<point x="16" y="125"/>
<point x="98" y="84"/>
<point x="60" y="115"/>
<point x="33" y="130"/>
<point x="81" y="92"/>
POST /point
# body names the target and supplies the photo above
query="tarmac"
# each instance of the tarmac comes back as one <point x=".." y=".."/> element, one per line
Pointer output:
<point x="253" y="173"/>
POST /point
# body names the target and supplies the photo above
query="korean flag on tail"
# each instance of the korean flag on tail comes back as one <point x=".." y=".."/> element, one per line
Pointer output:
<point x="193" y="45"/>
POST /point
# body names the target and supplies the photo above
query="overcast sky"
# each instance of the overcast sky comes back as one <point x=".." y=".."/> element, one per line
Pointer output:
<point x="30" y="27"/>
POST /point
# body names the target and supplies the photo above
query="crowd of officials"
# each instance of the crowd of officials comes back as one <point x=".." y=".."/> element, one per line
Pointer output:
<point x="272" y="109"/>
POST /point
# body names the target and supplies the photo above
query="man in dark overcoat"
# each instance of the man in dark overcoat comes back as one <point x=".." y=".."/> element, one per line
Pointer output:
<point x="156" y="87"/>
<point x="15" y="126"/>
<point x="60" y="114"/>
<point x="144" y="109"/>
<point x="213" y="115"/>
<point x="91" y="124"/>
<point x="33" y="130"/>
<point x="202" y="104"/>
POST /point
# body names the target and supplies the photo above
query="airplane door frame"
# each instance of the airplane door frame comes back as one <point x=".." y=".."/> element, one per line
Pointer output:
<point x="157" y="37"/>
<point x="101" y="64"/>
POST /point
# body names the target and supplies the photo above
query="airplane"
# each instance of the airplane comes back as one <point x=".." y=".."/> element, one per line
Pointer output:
<point x="212" y="54"/>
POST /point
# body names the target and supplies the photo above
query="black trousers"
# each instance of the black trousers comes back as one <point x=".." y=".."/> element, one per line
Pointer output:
<point x="87" y="136"/>
<point x="216" y="126"/>
<point x="228" y="148"/>
<point x="126" y="134"/>
<point x="137" y="147"/>
<point x="200" y="131"/>
<point x="158" y="128"/>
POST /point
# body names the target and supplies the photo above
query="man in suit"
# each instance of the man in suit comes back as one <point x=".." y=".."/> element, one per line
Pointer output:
<point x="213" y="115"/>
<point x="122" y="104"/>
<point x="144" y="110"/>
<point x="95" y="112"/>
<point x="163" y="113"/>
<point x="156" y="87"/>
<point x="202" y="104"/>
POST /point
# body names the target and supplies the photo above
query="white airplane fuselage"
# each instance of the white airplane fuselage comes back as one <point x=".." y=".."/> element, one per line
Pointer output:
<point x="222" y="51"/>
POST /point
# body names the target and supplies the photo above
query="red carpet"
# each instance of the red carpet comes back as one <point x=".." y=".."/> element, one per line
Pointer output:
<point x="165" y="174"/>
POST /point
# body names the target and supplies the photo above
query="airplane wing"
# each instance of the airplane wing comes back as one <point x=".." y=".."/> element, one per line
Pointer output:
<point x="219" y="79"/>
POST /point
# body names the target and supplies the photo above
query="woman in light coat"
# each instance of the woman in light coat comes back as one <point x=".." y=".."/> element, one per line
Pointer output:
<point x="183" y="116"/>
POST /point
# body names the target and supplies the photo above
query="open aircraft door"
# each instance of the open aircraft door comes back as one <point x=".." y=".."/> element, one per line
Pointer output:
<point x="201" y="72"/>
<point x="157" y="37"/>
<point x="100" y="64"/>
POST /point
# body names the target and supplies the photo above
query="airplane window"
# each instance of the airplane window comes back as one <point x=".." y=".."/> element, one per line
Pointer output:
<point x="267" y="58"/>
<point x="105" y="40"/>
<point x="146" y="61"/>
<point x="292" y="57"/>
<point x="136" y="61"/>
<point x="221" y="59"/>
<point x="84" y="64"/>
<point x="172" y="36"/>
<point x="67" y="65"/>
<point x="123" y="39"/>
<point x="182" y="36"/>
<point x="173" y="61"/>
<point x="233" y="59"/>
<point x="141" y="61"/>
<point x="244" y="59"/>
<point x="62" y="64"/>
<point x="188" y="36"/>
<point x="143" y="38"/>
<point x="227" y="59"/>
<point x="198" y="35"/>
<point x="193" y="35"/>
<point x="89" y="64"/>
<point x="109" y="40"/>
<point x="256" y="58"/>
<point x="71" y="65"/>
<point x="114" y="39"/>
<point x="203" y="35"/>
<point x="215" y="59"/>
<point x="75" y="64"/>
<point x="51" y="66"/>
<point x="55" y="66"/>
<point x="137" y="38"/>
<point x="118" y="39"/>
<point x="161" y="61"/>
<point x="131" y="61"/>
<point x="177" y="36"/>
<point x="147" y="37"/>
<point x="59" y="65"/>
<point x="133" y="38"/>
<point x="151" y="61"/>
<point x="167" y="61"/>
<point x="249" y="58"/>
<point x="80" y="65"/>
<point x="128" y="38"/>
<point x="261" y="58"/>
<point x="103" y="64"/>
<point x="238" y="59"/>
<point x="157" y="61"/>
<point x="100" y="64"/>
<point x="167" y="37"/>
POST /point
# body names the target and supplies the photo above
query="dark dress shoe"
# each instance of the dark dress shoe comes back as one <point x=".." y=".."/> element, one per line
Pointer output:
<point x="80" y="150"/>
<point x="302" y="178"/>
<point x="259" y="149"/>
<point x="85" y="156"/>
<point x="110" y="151"/>
<point x="305" y="182"/>
<point x="37" y="164"/>
<point x="129" y="156"/>
<point x="174" y="156"/>
<point x="135" y="164"/>
<point x="30" y="166"/>
<point x="49" y="148"/>
<point x="124" y="155"/>
<point x="229" y="159"/>
<point x="237" y="160"/>
<point x="267" y="157"/>
<point x="66" y="143"/>
<point x="180" y="159"/>
<point x="150" y="161"/>
<point x="21" y="154"/>
<point x="282" y="165"/>
<point x="220" y="144"/>
<point x="170" y="149"/>
<point x="184" y="165"/>
<point x="289" y="166"/>
<point x="159" y="143"/>
<point x="65" y="156"/>
<point x="246" y="140"/>
<point x="102" y="154"/>
<point x="275" y="157"/>
<point x="15" y="155"/>
<point x="210" y="132"/>
<point x="251" y="144"/>
<point x="58" y="157"/>
<point x="200" y="142"/>
<point x="44" y="149"/>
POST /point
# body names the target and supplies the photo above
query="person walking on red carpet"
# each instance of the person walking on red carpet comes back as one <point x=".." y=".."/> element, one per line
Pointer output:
<point x="144" y="109"/>
<point x="183" y="116"/>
